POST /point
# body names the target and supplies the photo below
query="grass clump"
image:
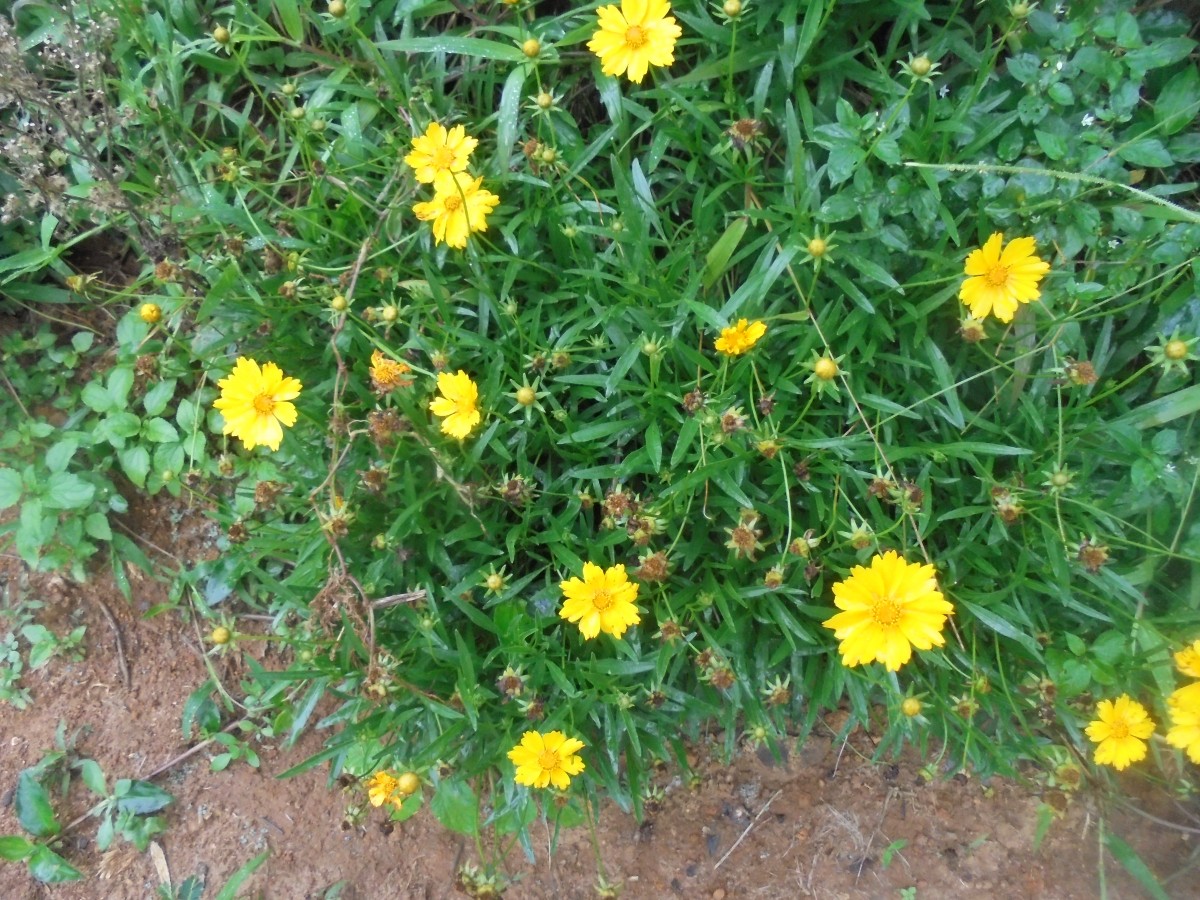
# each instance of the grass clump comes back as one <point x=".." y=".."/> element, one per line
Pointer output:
<point x="826" y="364"/>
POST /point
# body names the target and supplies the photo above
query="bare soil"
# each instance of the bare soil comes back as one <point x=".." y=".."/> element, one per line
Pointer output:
<point x="826" y="822"/>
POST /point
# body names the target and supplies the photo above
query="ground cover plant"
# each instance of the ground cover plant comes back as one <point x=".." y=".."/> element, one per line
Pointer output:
<point x="572" y="381"/>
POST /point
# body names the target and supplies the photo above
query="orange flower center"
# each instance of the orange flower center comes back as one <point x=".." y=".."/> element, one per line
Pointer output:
<point x="602" y="600"/>
<point x="1118" y="730"/>
<point x="886" y="612"/>
<point x="443" y="158"/>
<point x="997" y="276"/>
<point x="548" y="760"/>
<point x="452" y="203"/>
<point x="634" y="36"/>
<point x="264" y="404"/>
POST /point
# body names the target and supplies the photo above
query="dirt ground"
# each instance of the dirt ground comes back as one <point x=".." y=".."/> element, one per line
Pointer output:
<point x="825" y="823"/>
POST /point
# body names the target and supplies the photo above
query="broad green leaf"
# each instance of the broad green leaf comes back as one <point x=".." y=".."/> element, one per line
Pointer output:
<point x="10" y="488"/>
<point x="32" y="805"/>
<point x="67" y="491"/>
<point x="456" y="807"/>
<point x="49" y="868"/>
<point x="93" y="777"/>
<point x="13" y="847"/>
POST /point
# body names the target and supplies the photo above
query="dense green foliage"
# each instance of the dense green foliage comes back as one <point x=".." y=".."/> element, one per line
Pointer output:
<point x="1047" y="470"/>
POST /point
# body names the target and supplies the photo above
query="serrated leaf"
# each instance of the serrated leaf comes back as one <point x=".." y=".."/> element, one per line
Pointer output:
<point x="32" y="805"/>
<point x="93" y="777"/>
<point x="160" y="431"/>
<point x="96" y="525"/>
<point x="59" y="456"/>
<point x="1146" y="152"/>
<point x="456" y="807"/>
<point x="136" y="463"/>
<point x="67" y="491"/>
<point x="158" y="397"/>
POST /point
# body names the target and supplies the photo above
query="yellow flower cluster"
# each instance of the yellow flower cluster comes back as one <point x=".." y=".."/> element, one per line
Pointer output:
<point x="1122" y="726"/>
<point x="384" y="787"/>
<point x="460" y="204"/>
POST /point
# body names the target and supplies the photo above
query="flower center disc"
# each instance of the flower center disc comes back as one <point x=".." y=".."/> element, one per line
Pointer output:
<point x="886" y="612"/>
<point x="264" y="404"/>
<point x="443" y="158"/>
<point x="634" y="36"/>
<point x="1119" y="731"/>
<point x="997" y="276"/>
<point x="548" y="760"/>
<point x="602" y="600"/>
<point x="452" y="203"/>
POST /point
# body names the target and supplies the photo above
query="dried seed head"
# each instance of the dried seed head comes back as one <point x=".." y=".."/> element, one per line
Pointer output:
<point x="655" y="567"/>
<point x="693" y="401"/>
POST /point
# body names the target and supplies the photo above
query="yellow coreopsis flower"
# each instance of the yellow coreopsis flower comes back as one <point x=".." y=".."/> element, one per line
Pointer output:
<point x="387" y="374"/>
<point x="635" y="37"/>
<point x="545" y="759"/>
<point x="256" y="402"/>
<point x="1002" y="278"/>
<point x="1183" y="706"/>
<point x="382" y="788"/>
<point x="887" y="610"/>
<point x="460" y="205"/>
<point x="602" y="601"/>
<point x="1187" y="660"/>
<point x="439" y="151"/>
<point x="1120" y="731"/>
<point x="458" y="406"/>
<point x="738" y="338"/>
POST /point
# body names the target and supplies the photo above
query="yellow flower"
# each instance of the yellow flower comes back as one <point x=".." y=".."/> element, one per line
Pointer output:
<point x="255" y="402"/>
<point x="739" y="338"/>
<point x="458" y="406"/>
<point x="545" y="759"/>
<point x="383" y="787"/>
<point x="1183" y="706"/>
<point x="635" y="37"/>
<point x="602" y="601"/>
<point x="150" y="312"/>
<point x="459" y="206"/>
<point x="1002" y="279"/>
<point x="1187" y="660"/>
<point x="387" y="374"/>
<point x="438" y="150"/>
<point x="887" y="610"/>
<point x="1120" y="731"/>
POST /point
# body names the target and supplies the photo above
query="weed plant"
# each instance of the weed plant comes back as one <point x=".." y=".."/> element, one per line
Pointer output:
<point x="821" y="168"/>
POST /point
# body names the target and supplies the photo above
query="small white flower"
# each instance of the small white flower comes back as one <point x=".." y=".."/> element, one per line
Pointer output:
<point x="1058" y="66"/>
<point x="944" y="91"/>
<point x="1169" y="468"/>
<point x="1088" y="120"/>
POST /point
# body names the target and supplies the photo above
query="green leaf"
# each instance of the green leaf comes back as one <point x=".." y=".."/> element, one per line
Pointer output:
<point x="1146" y="152"/>
<point x="717" y="259"/>
<point x="96" y="525"/>
<point x="238" y="878"/>
<point x="13" y="847"/>
<point x="10" y="488"/>
<point x="1178" y="102"/>
<point x="96" y="397"/>
<point x="1128" y="858"/>
<point x="456" y="807"/>
<point x="67" y="491"/>
<point x="32" y="805"/>
<point x="93" y="777"/>
<point x="289" y="14"/>
<point x="140" y="797"/>
<point x="158" y="397"/>
<point x="160" y="431"/>
<point x="49" y="868"/>
<point x="136" y="463"/>
<point x="463" y="46"/>
<point x="59" y="456"/>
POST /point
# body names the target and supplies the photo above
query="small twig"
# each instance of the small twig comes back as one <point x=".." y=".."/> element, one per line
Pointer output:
<point x="393" y="599"/>
<point x="749" y="827"/>
<point x="116" y="627"/>
<point x="144" y="540"/>
<point x="1155" y="819"/>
